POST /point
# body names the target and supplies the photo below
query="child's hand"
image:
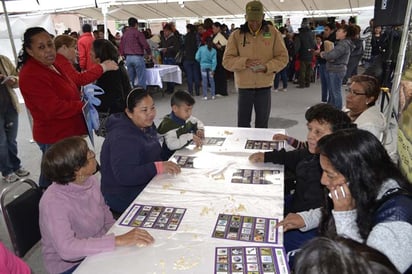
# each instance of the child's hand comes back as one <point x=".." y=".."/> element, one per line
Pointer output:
<point x="280" y="137"/>
<point x="258" y="157"/>
<point x="200" y="133"/>
<point x="197" y="140"/>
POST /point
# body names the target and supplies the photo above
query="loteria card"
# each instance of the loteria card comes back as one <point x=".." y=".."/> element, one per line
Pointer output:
<point x="251" y="176"/>
<point x="246" y="228"/>
<point x="264" y="144"/>
<point x="157" y="217"/>
<point x="251" y="260"/>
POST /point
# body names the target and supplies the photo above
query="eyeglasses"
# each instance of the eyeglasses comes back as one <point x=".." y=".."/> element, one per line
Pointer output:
<point x="353" y="92"/>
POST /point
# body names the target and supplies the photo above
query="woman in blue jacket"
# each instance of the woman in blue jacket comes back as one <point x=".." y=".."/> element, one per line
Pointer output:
<point x="130" y="155"/>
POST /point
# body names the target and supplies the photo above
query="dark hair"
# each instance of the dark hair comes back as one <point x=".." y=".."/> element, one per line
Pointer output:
<point x="63" y="159"/>
<point x="207" y="23"/>
<point x="361" y="158"/>
<point x="27" y="40"/>
<point x="331" y="25"/>
<point x="351" y="31"/>
<point x="326" y="113"/>
<point x="341" y="255"/>
<point x="370" y="86"/>
<point x="86" y="28"/>
<point x="191" y="27"/>
<point x="168" y="27"/>
<point x="134" y="97"/>
<point x="105" y="50"/>
<point x="209" y="43"/>
<point x="182" y="97"/>
<point x="132" y="22"/>
<point x="217" y="24"/>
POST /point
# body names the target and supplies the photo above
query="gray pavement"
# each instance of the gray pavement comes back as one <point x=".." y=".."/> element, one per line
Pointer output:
<point x="288" y="110"/>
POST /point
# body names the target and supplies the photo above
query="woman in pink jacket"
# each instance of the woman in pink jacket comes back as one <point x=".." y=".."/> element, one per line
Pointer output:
<point x="74" y="218"/>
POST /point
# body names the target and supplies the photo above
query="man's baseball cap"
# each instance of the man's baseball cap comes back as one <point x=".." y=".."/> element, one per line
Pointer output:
<point x="254" y="11"/>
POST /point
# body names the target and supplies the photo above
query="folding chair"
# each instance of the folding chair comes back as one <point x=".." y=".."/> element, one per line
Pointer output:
<point x="20" y="209"/>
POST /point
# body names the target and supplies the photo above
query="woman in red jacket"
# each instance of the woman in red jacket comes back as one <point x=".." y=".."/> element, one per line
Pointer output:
<point x="49" y="93"/>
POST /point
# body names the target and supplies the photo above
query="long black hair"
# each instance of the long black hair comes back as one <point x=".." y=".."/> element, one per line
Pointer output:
<point x="361" y="158"/>
<point x="27" y="40"/>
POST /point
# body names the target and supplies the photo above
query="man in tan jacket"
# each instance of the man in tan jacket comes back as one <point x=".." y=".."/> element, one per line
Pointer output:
<point x="255" y="52"/>
<point x="10" y="165"/>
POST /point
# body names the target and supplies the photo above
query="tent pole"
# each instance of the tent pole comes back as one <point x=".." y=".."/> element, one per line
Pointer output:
<point x="105" y="9"/>
<point x="6" y="16"/>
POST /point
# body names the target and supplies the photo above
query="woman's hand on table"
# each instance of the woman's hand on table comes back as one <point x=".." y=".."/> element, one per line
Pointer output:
<point x="200" y="133"/>
<point x="136" y="236"/>
<point x="280" y="137"/>
<point x="171" y="168"/>
<point x="292" y="221"/>
<point x="258" y="157"/>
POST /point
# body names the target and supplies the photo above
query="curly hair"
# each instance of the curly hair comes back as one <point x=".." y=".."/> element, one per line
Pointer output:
<point x="361" y="158"/>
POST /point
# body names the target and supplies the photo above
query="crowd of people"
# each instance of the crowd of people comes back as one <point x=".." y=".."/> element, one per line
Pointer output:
<point x="349" y="194"/>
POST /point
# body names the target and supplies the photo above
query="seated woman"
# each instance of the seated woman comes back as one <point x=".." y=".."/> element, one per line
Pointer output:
<point x="370" y="199"/>
<point x="74" y="218"/>
<point x="323" y="119"/>
<point x="130" y="155"/>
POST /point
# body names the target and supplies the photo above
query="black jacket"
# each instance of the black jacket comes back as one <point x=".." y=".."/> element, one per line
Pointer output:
<point x="308" y="172"/>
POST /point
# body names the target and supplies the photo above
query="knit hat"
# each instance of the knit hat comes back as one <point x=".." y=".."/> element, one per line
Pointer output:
<point x="254" y="11"/>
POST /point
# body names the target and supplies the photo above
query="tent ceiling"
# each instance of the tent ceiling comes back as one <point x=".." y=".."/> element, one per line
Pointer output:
<point x="169" y="9"/>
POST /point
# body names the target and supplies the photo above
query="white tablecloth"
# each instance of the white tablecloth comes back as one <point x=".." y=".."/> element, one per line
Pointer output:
<point x="163" y="73"/>
<point x="205" y="192"/>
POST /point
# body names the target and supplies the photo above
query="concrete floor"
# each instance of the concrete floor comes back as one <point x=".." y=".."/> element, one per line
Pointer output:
<point x="288" y="110"/>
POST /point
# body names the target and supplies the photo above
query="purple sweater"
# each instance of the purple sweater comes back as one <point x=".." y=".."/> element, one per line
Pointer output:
<point x="73" y="222"/>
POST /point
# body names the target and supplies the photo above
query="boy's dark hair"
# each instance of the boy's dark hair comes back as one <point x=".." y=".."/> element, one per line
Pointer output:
<point x="132" y="22"/>
<point x="182" y="97"/>
<point x="86" y="28"/>
<point x="326" y="113"/>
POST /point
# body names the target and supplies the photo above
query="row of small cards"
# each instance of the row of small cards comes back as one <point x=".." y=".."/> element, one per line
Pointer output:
<point x="251" y="176"/>
<point x="246" y="228"/>
<point x="159" y="217"/>
<point x="266" y="145"/>
<point x="251" y="260"/>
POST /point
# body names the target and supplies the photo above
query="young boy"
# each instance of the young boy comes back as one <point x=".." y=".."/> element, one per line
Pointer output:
<point x="322" y="119"/>
<point x="179" y="127"/>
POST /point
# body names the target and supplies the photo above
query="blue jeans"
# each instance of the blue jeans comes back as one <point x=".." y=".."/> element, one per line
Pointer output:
<point x="207" y="77"/>
<point x="283" y="74"/>
<point x="324" y="82"/>
<point x="170" y="85"/>
<point x="192" y="69"/>
<point x="43" y="182"/>
<point x="335" y="88"/>
<point x="136" y="66"/>
<point x="9" y="123"/>
<point x="258" y="98"/>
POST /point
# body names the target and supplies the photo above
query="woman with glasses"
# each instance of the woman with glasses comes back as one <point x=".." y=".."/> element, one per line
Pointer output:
<point x="131" y="153"/>
<point x="360" y="101"/>
<point x="74" y="218"/>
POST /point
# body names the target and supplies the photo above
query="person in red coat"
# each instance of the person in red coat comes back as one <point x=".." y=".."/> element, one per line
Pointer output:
<point x="84" y="45"/>
<point x="51" y="96"/>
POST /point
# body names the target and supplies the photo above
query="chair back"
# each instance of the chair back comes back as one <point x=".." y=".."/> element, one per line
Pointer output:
<point x="21" y="214"/>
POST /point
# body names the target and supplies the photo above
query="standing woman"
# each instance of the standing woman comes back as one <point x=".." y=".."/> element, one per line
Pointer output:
<point x="190" y="65"/>
<point x="49" y="93"/>
<point x="131" y="153"/>
<point x="116" y="84"/>
<point x="219" y="42"/>
<point x="336" y="63"/>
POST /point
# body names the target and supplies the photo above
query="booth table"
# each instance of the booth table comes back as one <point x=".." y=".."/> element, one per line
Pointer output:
<point x="163" y="73"/>
<point x="204" y="191"/>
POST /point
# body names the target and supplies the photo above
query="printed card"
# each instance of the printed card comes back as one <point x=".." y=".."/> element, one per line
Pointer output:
<point x="251" y="176"/>
<point x="184" y="161"/>
<point x="157" y="217"/>
<point x="264" y="144"/>
<point x="246" y="228"/>
<point x="251" y="260"/>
